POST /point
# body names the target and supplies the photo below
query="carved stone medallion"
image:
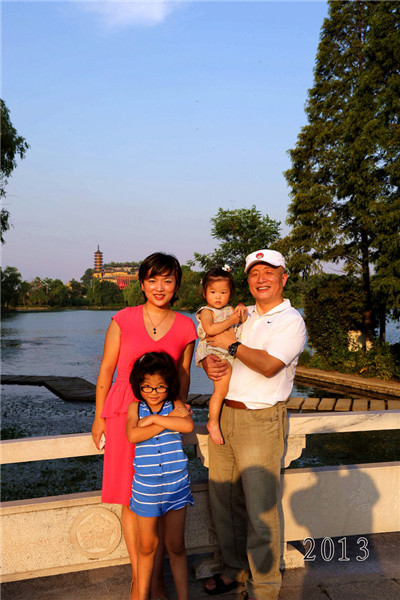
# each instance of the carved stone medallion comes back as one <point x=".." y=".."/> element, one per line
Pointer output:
<point x="96" y="532"/>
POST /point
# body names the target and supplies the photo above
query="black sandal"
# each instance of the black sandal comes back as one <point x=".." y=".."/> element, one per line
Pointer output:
<point x="220" y="586"/>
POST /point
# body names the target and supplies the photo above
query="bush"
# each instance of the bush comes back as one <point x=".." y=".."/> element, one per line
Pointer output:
<point x="381" y="361"/>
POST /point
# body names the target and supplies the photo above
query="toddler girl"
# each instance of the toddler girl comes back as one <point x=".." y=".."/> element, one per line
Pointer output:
<point x="161" y="483"/>
<point x="218" y="288"/>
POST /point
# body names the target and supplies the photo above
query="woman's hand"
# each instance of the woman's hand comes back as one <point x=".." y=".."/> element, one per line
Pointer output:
<point x="215" y="367"/>
<point x="104" y="380"/>
<point x="98" y="428"/>
<point x="180" y="411"/>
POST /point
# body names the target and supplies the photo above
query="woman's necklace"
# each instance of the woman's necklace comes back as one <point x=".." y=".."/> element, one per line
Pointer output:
<point x="159" y="323"/>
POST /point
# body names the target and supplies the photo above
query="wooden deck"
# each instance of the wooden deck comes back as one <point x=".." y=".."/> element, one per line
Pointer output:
<point x="71" y="389"/>
<point x="304" y="405"/>
<point x="76" y="389"/>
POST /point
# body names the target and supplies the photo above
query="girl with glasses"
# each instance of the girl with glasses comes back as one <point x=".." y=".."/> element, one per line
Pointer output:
<point x="160" y="486"/>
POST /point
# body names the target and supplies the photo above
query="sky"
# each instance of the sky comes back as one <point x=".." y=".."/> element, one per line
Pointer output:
<point x="144" y="118"/>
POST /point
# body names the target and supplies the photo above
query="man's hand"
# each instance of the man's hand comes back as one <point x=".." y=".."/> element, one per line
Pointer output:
<point x="222" y="340"/>
<point x="215" y="367"/>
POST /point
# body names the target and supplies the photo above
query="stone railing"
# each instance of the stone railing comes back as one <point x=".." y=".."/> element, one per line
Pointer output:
<point x="45" y="536"/>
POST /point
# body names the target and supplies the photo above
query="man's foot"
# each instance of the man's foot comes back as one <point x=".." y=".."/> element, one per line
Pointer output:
<point x="219" y="584"/>
<point x="215" y="433"/>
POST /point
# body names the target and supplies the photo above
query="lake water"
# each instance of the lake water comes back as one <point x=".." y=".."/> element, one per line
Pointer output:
<point x="66" y="343"/>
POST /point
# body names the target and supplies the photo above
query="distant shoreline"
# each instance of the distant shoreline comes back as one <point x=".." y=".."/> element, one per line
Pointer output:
<point x="34" y="309"/>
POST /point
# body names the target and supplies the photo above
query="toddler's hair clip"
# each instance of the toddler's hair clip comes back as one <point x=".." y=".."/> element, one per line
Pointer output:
<point x="226" y="268"/>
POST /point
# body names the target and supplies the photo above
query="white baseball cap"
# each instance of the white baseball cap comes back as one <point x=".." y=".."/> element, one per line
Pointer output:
<point x="271" y="257"/>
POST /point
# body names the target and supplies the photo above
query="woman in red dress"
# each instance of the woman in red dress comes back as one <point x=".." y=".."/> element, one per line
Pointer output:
<point x="150" y="327"/>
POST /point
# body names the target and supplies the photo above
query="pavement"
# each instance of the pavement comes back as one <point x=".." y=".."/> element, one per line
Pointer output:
<point x="376" y="577"/>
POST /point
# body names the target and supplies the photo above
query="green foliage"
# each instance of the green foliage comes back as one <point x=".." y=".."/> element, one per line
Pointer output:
<point x="105" y="293"/>
<point x="189" y="294"/>
<point x="239" y="232"/>
<point x="382" y="361"/>
<point x="10" y="285"/>
<point x="76" y="292"/>
<point x="57" y="292"/>
<point x="295" y="290"/>
<point x="133" y="294"/>
<point x="345" y="169"/>
<point x="87" y="278"/>
<point x="12" y="145"/>
<point x="333" y="307"/>
<point x="37" y="293"/>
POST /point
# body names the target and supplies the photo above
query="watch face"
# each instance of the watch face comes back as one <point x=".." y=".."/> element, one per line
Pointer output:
<point x="233" y="348"/>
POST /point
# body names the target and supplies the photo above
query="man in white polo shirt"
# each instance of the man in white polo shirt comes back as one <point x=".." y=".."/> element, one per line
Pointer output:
<point x="245" y="471"/>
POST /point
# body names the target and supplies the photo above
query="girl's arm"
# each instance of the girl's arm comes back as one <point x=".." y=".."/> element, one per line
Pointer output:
<point x="139" y="433"/>
<point x="184" y="370"/>
<point x="104" y="380"/>
<point x="211" y="328"/>
<point x="177" y="420"/>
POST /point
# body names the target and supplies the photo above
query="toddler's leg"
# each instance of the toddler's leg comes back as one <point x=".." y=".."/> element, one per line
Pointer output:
<point x="220" y="391"/>
<point x="148" y="542"/>
<point x="175" y="543"/>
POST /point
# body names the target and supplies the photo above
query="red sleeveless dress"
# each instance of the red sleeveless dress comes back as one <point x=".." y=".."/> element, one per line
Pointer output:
<point x="135" y="341"/>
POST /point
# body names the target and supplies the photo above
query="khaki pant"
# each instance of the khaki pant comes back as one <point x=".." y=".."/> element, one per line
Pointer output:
<point x="244" y="479"/>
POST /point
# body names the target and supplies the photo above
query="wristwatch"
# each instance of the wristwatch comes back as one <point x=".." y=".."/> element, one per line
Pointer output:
<point x="232" y="349"/>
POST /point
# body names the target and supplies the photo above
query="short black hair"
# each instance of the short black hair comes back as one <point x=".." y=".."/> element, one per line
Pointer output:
<point x="150" y="364"/>
<point x="160" y="263"/>
<point x="216" y="273"/>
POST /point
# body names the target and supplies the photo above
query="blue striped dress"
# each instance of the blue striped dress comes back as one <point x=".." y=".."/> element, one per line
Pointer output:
<point x="161" y="481"/>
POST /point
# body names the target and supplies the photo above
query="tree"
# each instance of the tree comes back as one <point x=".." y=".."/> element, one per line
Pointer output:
<point x="345" y="169"/>
<point x="87" y="278"/>
<point x="332" y="308"/>
<point x="189" y="294"/>
<point x="12" y="145"/>
<point x="76" y="292"/>
<point x="133" y="294"/>
<point x="37" y="293"/>
<point x="105" y="293"/>
<point x="240" y="232"/>
<point x="10" y="286"/>
<point x="57" y="292"/>
<point x="24" y="293"/>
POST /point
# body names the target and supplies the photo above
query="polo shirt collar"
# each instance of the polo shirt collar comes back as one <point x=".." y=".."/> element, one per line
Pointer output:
<point x="277" y="309"/>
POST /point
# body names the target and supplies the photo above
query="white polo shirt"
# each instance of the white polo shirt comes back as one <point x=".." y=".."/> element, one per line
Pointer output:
<point x="282" y="333"/>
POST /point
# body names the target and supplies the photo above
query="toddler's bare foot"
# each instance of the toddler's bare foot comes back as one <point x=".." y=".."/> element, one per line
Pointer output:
<point x="215" y="433"/>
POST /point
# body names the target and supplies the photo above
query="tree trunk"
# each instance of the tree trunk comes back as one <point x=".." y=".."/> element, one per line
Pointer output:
<point x="367" y="315"/>
<point x="382" y="323"/>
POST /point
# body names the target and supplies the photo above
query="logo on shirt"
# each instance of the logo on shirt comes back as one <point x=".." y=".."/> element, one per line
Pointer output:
<point x="260" y="255"/>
